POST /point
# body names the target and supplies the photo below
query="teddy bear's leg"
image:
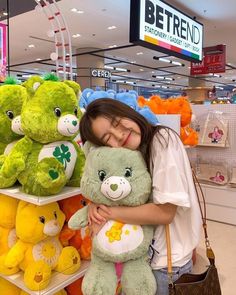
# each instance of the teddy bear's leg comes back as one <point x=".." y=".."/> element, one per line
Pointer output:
<point x="4" y="269"/>
<point x="37" y="275"/>
<point x="49" y="178"/>
<point x="137" y="278"/>
<point x="100" y="278"/>
<point x="69" y="261"/>
<point x="7" y="182"/>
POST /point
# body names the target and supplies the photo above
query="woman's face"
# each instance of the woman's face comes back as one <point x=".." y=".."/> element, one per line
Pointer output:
<point x="117" y="132"/>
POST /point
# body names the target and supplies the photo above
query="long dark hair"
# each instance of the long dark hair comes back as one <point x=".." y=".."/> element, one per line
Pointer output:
<point x="110" y="108"/>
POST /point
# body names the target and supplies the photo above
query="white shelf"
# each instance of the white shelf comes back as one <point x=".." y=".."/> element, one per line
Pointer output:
<point x="66" y="192"/>
<point x="58" y="280"/>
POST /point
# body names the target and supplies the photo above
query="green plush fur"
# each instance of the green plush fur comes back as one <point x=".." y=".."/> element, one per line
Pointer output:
<point x="47" y="158"/>
<point x="11" y="100"/>
<point x="117" y="177"/>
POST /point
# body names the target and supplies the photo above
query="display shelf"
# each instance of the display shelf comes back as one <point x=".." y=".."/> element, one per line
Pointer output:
<point x="58" y="280"/>
<point x="15" y="192"/>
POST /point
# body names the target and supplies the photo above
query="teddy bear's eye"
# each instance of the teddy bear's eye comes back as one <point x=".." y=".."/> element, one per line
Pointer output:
<point x="101" y="174"/>
<point x="83" y="203"/>
<point x="55" y="214"/>
<point x="57" y="112"/>
<point x="76" y="112"/>
<point x="128" y="172"/>
<point x="10" y="114"/>
<point x="42" y="219"/>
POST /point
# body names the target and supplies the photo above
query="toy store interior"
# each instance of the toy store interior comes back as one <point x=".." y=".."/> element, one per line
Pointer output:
<point x="173" y="62"/>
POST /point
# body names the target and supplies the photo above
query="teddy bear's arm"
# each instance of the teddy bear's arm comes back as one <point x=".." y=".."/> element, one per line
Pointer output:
<point x="15" y="162"/>
<point x="79" y="219"/>
<point x="16" y="254"/>
<point x="79" y="166"/>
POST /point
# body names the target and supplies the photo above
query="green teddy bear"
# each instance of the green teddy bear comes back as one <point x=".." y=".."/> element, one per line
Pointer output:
<point x="12" y="97"/>
<point x="47" y="158"/>
<point x="116" y="177"/>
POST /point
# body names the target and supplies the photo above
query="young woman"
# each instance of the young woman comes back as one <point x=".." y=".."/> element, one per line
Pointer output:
<point x="111" y="123"/>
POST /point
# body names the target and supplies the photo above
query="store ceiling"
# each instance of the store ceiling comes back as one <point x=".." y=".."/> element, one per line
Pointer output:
<point x="31" y="27"/>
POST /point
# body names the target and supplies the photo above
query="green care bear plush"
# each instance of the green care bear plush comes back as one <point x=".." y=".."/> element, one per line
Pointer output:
<point x="38" y="250"/>
<point x="12" y="97"/>
<point x="47" y="158"/>
<point x="116" y="177"/>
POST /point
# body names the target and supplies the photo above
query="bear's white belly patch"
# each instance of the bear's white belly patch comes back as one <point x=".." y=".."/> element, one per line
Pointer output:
<point x="64" y="152"/>
<point x="118" y="238"/>
<point x="47" y="250"/>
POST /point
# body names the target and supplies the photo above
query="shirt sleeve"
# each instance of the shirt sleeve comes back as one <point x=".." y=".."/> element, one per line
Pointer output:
<point x="169" y="181"/>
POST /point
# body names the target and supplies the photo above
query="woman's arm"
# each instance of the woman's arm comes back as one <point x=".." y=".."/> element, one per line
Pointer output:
<point x="145" y="214"/>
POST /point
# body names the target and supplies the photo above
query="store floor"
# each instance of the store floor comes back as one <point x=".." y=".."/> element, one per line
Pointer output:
<point x="223" y="242"/>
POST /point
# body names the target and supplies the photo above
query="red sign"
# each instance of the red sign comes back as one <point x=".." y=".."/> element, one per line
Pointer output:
<point x="213" y="61"/>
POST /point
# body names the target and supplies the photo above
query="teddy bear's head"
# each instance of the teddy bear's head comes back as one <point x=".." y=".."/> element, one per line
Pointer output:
<point x="89" y="95"/>
<point x="8" y="207"/>
<point x="35" y="223"/>
<point x="115" y="176"/>
<point x="12" y="97"/>
<point x="51" y="112"/>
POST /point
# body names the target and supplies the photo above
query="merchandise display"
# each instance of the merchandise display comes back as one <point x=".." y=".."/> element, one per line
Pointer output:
<point x="12" y="97"/>
<point x="38" y="250"/>
<point x="128" y="184"/>
<point x="47" y="158"/>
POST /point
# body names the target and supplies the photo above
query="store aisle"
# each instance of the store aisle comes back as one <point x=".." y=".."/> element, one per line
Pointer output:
<point x="223" y="242"/>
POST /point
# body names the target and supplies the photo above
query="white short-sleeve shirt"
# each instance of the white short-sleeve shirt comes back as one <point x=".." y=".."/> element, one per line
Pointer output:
<point x="172" y="183"/>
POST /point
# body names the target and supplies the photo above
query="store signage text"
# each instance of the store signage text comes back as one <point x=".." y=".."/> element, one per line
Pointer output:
<point x="167" y="28"/>
<point x="213" y="61"/>
<point x="100" y="73"/>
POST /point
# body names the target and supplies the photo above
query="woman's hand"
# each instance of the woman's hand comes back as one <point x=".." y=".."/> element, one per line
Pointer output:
<point x="95" y="228"/>
<point x="98" y="213"/>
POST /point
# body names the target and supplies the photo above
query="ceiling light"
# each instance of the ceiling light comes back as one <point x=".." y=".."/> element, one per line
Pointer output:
<point x="38" y="58"/>
<point x="112" y="46"/>
<point x="76" y="35"/>
<point x="77" y="10"/>
<point x="31" y="45"/>
<point x="108" y="67"/>
<point x="176" y="63"/>
<point x="139" y="53"/>
<point x="5" y="13"/>
<point x="141" y="70"/>
<point x="121" y="69"/>
<point x="133" y="62"/>
<point x="164" y="59"/>
<point x="111" y="28"/>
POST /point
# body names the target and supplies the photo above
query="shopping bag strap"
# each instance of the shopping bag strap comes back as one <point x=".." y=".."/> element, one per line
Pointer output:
<point x="209" y="252"/>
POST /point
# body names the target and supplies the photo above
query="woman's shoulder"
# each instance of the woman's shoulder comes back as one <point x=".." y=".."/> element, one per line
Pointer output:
<point x="165" y="136"/>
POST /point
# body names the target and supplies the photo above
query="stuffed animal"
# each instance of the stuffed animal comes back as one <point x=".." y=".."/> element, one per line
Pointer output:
<point x="131" y="99"/>
<point x="47" y="158"/>
<point x="62" y="292"/>
<point x="6" y="288"/>
<point x="38" y="250"/>
<point x="89" y="95"/>
<point x="116" y="177"/>
<point x="12" y="97"/>
<point x="8" y="207"/>
<point x="75" y="287"/>
<point x="80" y="239"/>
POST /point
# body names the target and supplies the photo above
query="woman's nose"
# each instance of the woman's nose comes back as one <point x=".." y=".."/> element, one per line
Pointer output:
<point x="118" y="134"/>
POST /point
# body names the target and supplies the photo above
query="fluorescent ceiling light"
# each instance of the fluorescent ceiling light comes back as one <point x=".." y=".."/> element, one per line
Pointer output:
<point x="112" y="46"/>
<point x="121" y="69"/>
<point x="77" y="10"/>
<point x="31" y="45"/>
<point x="176" y="63"/>
<point x="111" y="28"/>
<point x="139" y="53"/>
<point x="38" y="58"/>
<point x="76" y="35"/>
<point x="108" y="67"/>
<point x="164" y="59"/>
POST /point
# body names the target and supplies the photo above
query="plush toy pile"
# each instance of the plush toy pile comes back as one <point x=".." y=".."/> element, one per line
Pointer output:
<point x="116" y="177"/>
<point x="47" y="158"/>
<point x="38" y="250"/>
<point x="179" y="105"/>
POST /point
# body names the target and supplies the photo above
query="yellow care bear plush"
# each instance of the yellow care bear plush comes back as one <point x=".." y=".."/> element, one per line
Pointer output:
<point x="6" y="288"/>
<point x="38" y="250"/>
<point x="8" y="207"/>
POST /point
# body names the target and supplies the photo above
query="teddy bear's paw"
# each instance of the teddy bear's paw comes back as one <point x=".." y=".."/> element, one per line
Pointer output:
<point x="37" y="275"/>
<point x="7" y="270"/>
<point x="6" y="182"/>
<point x="69" y="261"/>
<point x="51" y="173"/>
<point x="14" y="166"/>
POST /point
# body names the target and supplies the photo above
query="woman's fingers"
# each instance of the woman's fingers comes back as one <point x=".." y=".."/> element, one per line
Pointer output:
<point x="105" y="209"/>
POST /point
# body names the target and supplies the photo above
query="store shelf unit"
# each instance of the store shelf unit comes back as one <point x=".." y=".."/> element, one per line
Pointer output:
<point x="66" y="192"/>
<point x="58" y="281"/>
<point x="220" y="203"/>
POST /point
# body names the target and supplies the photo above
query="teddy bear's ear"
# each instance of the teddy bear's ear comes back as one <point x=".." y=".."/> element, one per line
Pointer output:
<point x="75" y="86"/>
<point x="88" y="147"/>
<point x="32" y="84"/>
